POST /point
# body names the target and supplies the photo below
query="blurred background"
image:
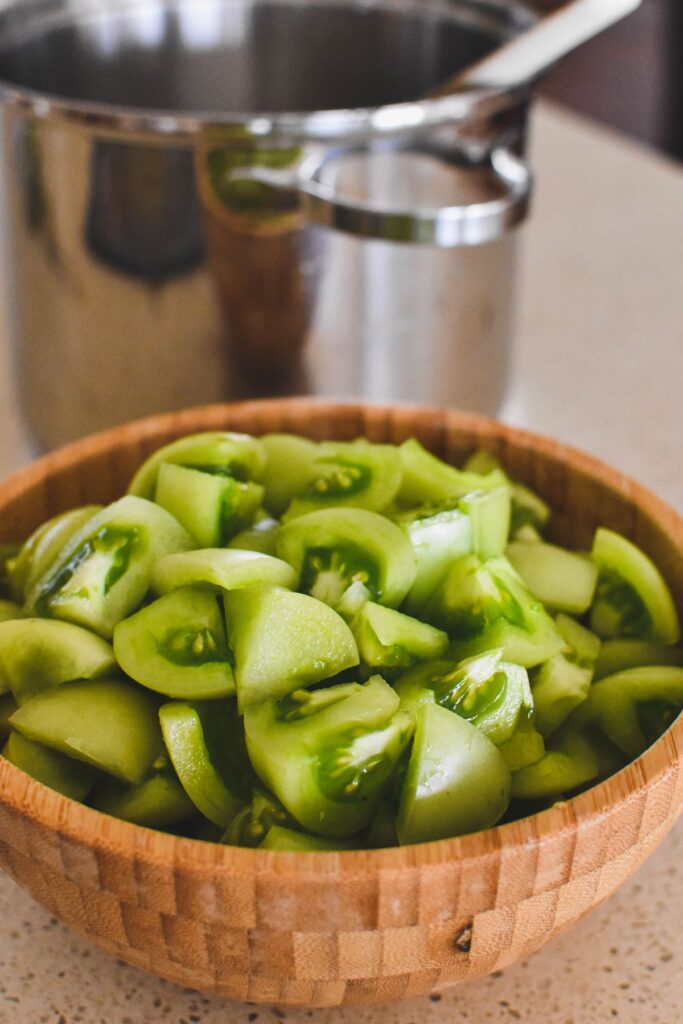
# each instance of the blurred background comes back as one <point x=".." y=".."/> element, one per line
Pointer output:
<point x="630" y="77"/>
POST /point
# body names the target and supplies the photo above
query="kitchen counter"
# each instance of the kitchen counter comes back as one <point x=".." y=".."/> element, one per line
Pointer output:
<point x="598" y="364"/>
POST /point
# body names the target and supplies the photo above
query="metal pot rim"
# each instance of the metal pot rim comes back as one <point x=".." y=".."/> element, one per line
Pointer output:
<point x="351" y="124"/>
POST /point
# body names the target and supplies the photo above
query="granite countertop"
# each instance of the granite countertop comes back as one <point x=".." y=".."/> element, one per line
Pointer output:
<point x="599" y="364"/>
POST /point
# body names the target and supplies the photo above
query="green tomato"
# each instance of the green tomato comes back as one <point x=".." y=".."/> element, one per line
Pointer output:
<point x="333" y="548"/>
<point x="177" y="646"/>
<point x="427" y="480"/>
<point x="564" y="580"/>
<point x="633" y="707"/>
<point x="222" y="569"/>
<point x="388" y="639"/>
<point x="526" y="746"/>
<point x="288" y="469"/>
<point x="570" y="762"/>
<point x="283" y="641"/>
<point x="329" y="755"/>
<point x="632" y="598"/>
<point x="457" y="781"/>
<point x="491" y="694"/>
<point x="212" y="507"/>
<point x="107" y="723"/>
<point x="438" y="538"/>
<point x="617" y="655"/>
<point x="485" y="606"/>
<point x="195" y="738"/>
<point x="36" y="654"/>
<point x="261" y="536"/>
<point x="250" y="825"/>
<point x="222" y="453"/>
<point x="489" y="512"/>
<point x="38" y="553"/>
<point x="104" y="571"/>
<point x="355" y="473"/>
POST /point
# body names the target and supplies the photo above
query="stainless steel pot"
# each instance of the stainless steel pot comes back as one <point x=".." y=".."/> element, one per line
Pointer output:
<point x="225" y="198"/>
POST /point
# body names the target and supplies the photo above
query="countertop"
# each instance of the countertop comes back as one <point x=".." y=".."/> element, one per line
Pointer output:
<point x="599" y="364"/>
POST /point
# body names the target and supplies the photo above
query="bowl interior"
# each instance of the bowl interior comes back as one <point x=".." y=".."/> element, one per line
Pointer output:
<point x="246" y="56"/>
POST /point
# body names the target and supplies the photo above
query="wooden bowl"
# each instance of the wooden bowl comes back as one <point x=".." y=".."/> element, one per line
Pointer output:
<point x="327" y="929"/>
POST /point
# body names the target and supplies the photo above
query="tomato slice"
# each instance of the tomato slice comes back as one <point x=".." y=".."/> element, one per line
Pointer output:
<point x="632" y="598"/>
<point x="457" y="780"/>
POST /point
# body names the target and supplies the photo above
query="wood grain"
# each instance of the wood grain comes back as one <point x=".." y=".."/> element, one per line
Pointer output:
<point x="342" y="928"/>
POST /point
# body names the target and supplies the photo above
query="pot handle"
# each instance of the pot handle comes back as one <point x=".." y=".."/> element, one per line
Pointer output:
<point x="443" y="226"/>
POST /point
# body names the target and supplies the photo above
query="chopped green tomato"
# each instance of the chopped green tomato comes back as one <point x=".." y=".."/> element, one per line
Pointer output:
<point x="157" y="802"/>
<point x="559" y="686"/>
<point x="329" y="755"/>
<point x="45" y="545"/>
<point x="489" y="512"/>
<point x="352" y="600"/>
<point x="222" y="568"/>
<point x="485" y="606"/>
<point x="177" y="646"/>
<point x="196" y="761"/>
<point x="283" y="641"/>
<point x="261" y="537"/>
<point x="355" y="473"/>
<point x="8" y="706"/>
<point x="211" y="507"/>
<point x="457" y="781"/>
<point x="16" y="563"/>
<point x="38" y="553"/>
<point x="107" y="723"/>
<point x="9" y="610"/>
<point x="250" y="825"/>
<point x="279" y="838"/>
<point x="429" y="480"/>
<point x="571" y="762"/>
<point x="236" y="455"/>
<point x="389" y="639"/>
<point x="564" y="580"/>
<point x="528" y="510"/>
<point x="491" y="694"/>
<point x="438" y="538"/>
<point x="616" y="655"/>
<point x="288" y="469"/>
<point x="59" y="772"/>
<point x="333" y="548"/>
<point x="633" y="707"/>
<point x="36" y="654"/>
<point x="104" y="571"/>
<point x="563" y="681"/>
<point x="481" y="462"/>
<point x="524" y="747"/>
<point x="582" y="646"/>
<point x="632" y="598"/>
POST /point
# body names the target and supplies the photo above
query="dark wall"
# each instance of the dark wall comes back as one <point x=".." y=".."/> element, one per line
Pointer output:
<point x="631" y="76"/>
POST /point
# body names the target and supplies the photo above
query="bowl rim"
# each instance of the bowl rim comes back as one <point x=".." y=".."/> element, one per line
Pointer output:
<point x="658" y="765"/>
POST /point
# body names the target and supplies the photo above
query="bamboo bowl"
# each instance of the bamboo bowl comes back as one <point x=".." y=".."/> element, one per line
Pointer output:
<point x="327" y="929"/>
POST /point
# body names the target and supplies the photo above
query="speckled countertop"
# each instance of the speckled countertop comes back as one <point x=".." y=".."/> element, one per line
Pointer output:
<point x="598" y="363"/>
